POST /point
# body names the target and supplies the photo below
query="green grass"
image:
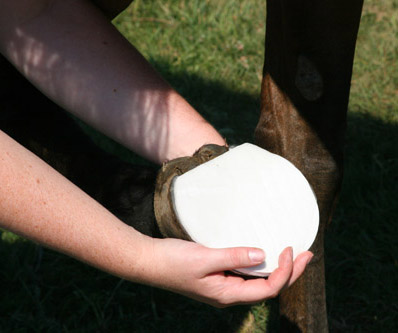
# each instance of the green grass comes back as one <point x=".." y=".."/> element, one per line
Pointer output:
<point x="211" y="52"/>
<point x="361" y="245"/>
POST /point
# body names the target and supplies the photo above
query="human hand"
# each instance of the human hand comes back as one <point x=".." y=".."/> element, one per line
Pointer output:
<point x="198" y="272"/>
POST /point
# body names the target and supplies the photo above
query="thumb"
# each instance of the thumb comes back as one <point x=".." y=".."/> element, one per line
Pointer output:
<point x="233" y="258"/>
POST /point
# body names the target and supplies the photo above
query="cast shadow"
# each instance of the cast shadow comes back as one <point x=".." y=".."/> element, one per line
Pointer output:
<point x="44" y="290"/>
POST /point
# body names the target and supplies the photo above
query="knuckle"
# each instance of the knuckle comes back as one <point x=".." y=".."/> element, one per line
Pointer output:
<point x="274" y="294"/>
<point x="221" y="298"/>
<point x="235" y="257"/>
<point x="274" y="290"/>
<point x="220" y="306"/>
<point x="222" y="303"/>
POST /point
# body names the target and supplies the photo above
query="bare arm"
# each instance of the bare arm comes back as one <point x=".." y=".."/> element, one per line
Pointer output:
<point x="39" y="203"/>
<point x="71" y="52"/>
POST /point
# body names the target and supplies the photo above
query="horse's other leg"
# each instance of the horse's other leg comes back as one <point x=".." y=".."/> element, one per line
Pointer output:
<point x="42" y="127"/>
<point x="307" y="72"/>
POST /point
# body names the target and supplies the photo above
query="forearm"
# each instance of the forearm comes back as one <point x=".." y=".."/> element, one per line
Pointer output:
<point x="70" y="51"/>
<point x="40" y="204"/>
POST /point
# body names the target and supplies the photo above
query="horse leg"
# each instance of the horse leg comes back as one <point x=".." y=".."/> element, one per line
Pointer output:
<point x="306" y="81"/>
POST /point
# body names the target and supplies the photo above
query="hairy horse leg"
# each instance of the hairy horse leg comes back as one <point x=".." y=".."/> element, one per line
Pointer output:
<point x="307" y="72"/>
<point x="45" y="129"/>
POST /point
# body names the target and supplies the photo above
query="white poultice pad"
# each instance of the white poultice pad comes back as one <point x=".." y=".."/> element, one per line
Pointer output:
<point x="248" y="197"/>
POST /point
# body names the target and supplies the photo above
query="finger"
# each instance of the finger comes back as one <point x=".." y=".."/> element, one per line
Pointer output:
<point x="280" y="276"/>
<point x="299" y="265"/>
<point x="253" y="291"/>
<point x="233" y="258"/>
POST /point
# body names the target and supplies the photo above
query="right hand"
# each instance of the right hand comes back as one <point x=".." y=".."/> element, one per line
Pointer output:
<point x="198" y="272"/>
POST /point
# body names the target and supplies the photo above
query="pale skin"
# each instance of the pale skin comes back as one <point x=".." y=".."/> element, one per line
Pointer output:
<point x="70" y="51"/>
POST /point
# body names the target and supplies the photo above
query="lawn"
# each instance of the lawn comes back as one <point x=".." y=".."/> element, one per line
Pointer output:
<point x="211" y="52"/>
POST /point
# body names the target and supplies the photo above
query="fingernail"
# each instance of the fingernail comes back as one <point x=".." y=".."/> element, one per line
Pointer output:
<point x="257" y="256"/>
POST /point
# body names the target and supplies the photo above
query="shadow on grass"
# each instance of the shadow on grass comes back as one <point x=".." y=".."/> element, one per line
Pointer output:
<point x="361" y="244"/>
<point x="46" y="291"/>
